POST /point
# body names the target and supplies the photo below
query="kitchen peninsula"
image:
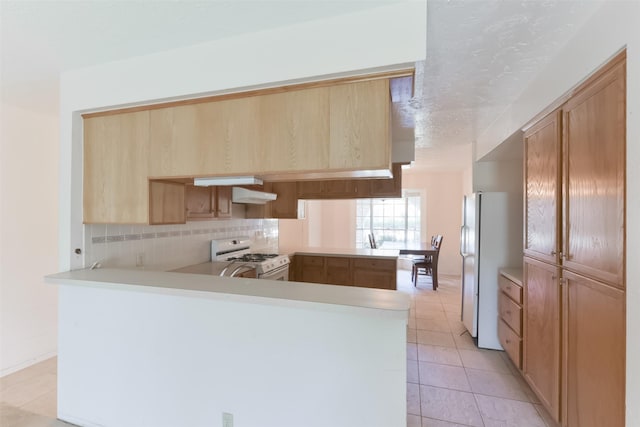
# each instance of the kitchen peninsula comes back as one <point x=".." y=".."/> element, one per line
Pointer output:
<point x="164" y="349"/>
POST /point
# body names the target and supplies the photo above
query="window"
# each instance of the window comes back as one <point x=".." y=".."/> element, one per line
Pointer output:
<point x="393" y="222"/>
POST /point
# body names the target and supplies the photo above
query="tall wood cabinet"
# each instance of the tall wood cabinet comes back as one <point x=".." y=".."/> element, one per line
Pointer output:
<point x="574" y="299"/>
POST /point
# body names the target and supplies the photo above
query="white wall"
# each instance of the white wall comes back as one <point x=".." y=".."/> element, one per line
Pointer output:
<point x="29" y="242"/>
<point x="613" y="27"/>
<point x="442" y="204"/>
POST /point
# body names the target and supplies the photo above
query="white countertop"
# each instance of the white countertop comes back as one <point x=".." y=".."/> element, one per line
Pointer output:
<point x="246" y="290"/>
<point x="341" y="252"/>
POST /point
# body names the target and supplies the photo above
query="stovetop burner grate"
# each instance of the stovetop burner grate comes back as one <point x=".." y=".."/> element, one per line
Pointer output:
<point x="252" y="257"/>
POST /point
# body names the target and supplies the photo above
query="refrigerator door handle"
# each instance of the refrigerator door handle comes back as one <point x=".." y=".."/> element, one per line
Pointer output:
<point x="462" y="241"/>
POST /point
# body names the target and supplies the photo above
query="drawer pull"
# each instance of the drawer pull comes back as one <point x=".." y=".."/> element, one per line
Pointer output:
<point x="508" y="312"/>
<point x="508" y="341"/>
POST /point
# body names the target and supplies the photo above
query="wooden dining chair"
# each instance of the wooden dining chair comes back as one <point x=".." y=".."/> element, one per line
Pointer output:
<point x="429" y="265"/>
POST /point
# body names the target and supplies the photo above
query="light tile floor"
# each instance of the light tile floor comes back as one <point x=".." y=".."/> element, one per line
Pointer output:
<point x="450" y="382"/>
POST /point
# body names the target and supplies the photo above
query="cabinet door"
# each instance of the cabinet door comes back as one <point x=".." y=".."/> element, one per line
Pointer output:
<point x="115" y="185"/>
<point x="387" y="187"/>
<point x="286" y="204"/>
<point x="594" y="361"/>
<point x="211" y="138"/>
<point x="338" y="271"/>
<point x="542" y="148"/>
<point x="542" y="327"/>
<point x="359" y="125"/>
<point x="594" y="173"/>
<point x="166" y="203"/>
<point x="310" y="269"/>
<point x="294" y="125"/>
<point x="223" y="202"/>
<point x="199" y="202"/>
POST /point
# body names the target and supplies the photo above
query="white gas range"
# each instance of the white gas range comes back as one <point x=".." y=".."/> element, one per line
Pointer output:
<point x="237" y="254"/>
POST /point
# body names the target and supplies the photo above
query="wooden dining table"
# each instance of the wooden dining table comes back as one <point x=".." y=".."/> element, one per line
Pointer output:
<point x="425" y="249"/>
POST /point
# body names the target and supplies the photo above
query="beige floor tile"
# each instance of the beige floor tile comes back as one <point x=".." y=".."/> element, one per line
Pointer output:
<point x="447" y="376"/>
<point x="413" y="420"/>
<point x="412" y="372"/>
<point x="48" y="366"/>
<point x="450" y="405"/>
<point x="46" y="405"/>
<point x="464" y="341"/>
<point x="514" y="370"/>
<point x="496" y="384"/>
<point x="411" y="335"/>
<point x="456" y="327"/>
<point x="438" y="354"/>
<point x="412" y="323"/>
<point x="550" y="422"/>
<point x="451" y="308"/>
<point x="444" y="339"/>
<point x="26" y="391"/>
<point x="412" y="351"/>
<point x="488" y="360"/>
<point x="440" y="325"/>
<point x="501" y="412"/>
<point x="424" y="309"/>
<point x="430" y="422"/>
<point x="431" y="315"/>
<point x="527" y="389"/>
<point x="11" y="416"/>
<point x="413" y="399"/>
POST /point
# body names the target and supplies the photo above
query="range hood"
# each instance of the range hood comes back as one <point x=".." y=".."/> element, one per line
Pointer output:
<point x="242" y="195"/>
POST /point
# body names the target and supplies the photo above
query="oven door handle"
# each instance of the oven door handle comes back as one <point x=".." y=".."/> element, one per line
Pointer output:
<point x="243" y="267"/>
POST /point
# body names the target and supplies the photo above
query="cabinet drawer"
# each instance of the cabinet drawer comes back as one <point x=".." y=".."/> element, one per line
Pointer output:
<point x="337" y="262"/>
<point x="511" y="343"/>
<point x="374" y="263"/>
<point x="510" y="312"/>
<point x="317" y="261"/>
<point x="510" y="288"/>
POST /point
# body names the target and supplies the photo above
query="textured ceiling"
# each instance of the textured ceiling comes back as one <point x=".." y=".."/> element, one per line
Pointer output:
<point x="481" y="55"/>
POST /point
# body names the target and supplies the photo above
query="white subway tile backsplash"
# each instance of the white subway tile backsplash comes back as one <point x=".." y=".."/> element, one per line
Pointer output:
<point x="164" y="247"/>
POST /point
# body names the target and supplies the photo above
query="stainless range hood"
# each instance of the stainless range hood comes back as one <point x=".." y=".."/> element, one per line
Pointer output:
<point x="242" y="195"/>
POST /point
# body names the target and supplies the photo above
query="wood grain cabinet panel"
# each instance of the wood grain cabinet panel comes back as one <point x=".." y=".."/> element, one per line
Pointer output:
<point x="166" y="203"/>
<point x="223" y="202"/>
<point x="310" y="269"/>
<point x="542" y="149"/>
<point x="115" y="169"/>
<point x="295" y="127"/>
<point x="338" y="271"/>
<point x="199" y="202"/>
<point x="594" y="171"/>
<point x="511" y="342"/>
<point x="594" y="362"/>
<point x="359" y="125"/>
<point x="542" y="328"/>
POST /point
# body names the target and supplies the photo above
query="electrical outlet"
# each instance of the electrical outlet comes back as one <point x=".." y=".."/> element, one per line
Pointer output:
<point x="227" y="419"/>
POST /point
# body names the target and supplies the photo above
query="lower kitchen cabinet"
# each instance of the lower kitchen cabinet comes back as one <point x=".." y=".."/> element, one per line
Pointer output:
<point x="542" y="328"/>
<point x="374" y="273"/>
<point x="594" y="361"/>
<point x="510" y="322"/>
<point x="346" y="271"/>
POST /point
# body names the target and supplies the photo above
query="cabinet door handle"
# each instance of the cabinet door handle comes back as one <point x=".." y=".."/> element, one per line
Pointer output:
<point x="508" y="341"/>
<point x="553" y="252"/>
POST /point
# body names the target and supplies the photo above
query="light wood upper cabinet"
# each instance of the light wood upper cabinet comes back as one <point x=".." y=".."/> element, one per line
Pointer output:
<point x="594" y="345"/>
<point x="542" y="327"/>
<point x="359" y="125"/>
<point x="115" y="185"/>
<point x="594" y="168"/>
<point x="542" y="149"/>
<point x="295" y="128"/>
<point x="213" y="138"/>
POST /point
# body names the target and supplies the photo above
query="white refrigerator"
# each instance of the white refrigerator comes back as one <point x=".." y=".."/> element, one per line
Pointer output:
<point x="490" y="239"/>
